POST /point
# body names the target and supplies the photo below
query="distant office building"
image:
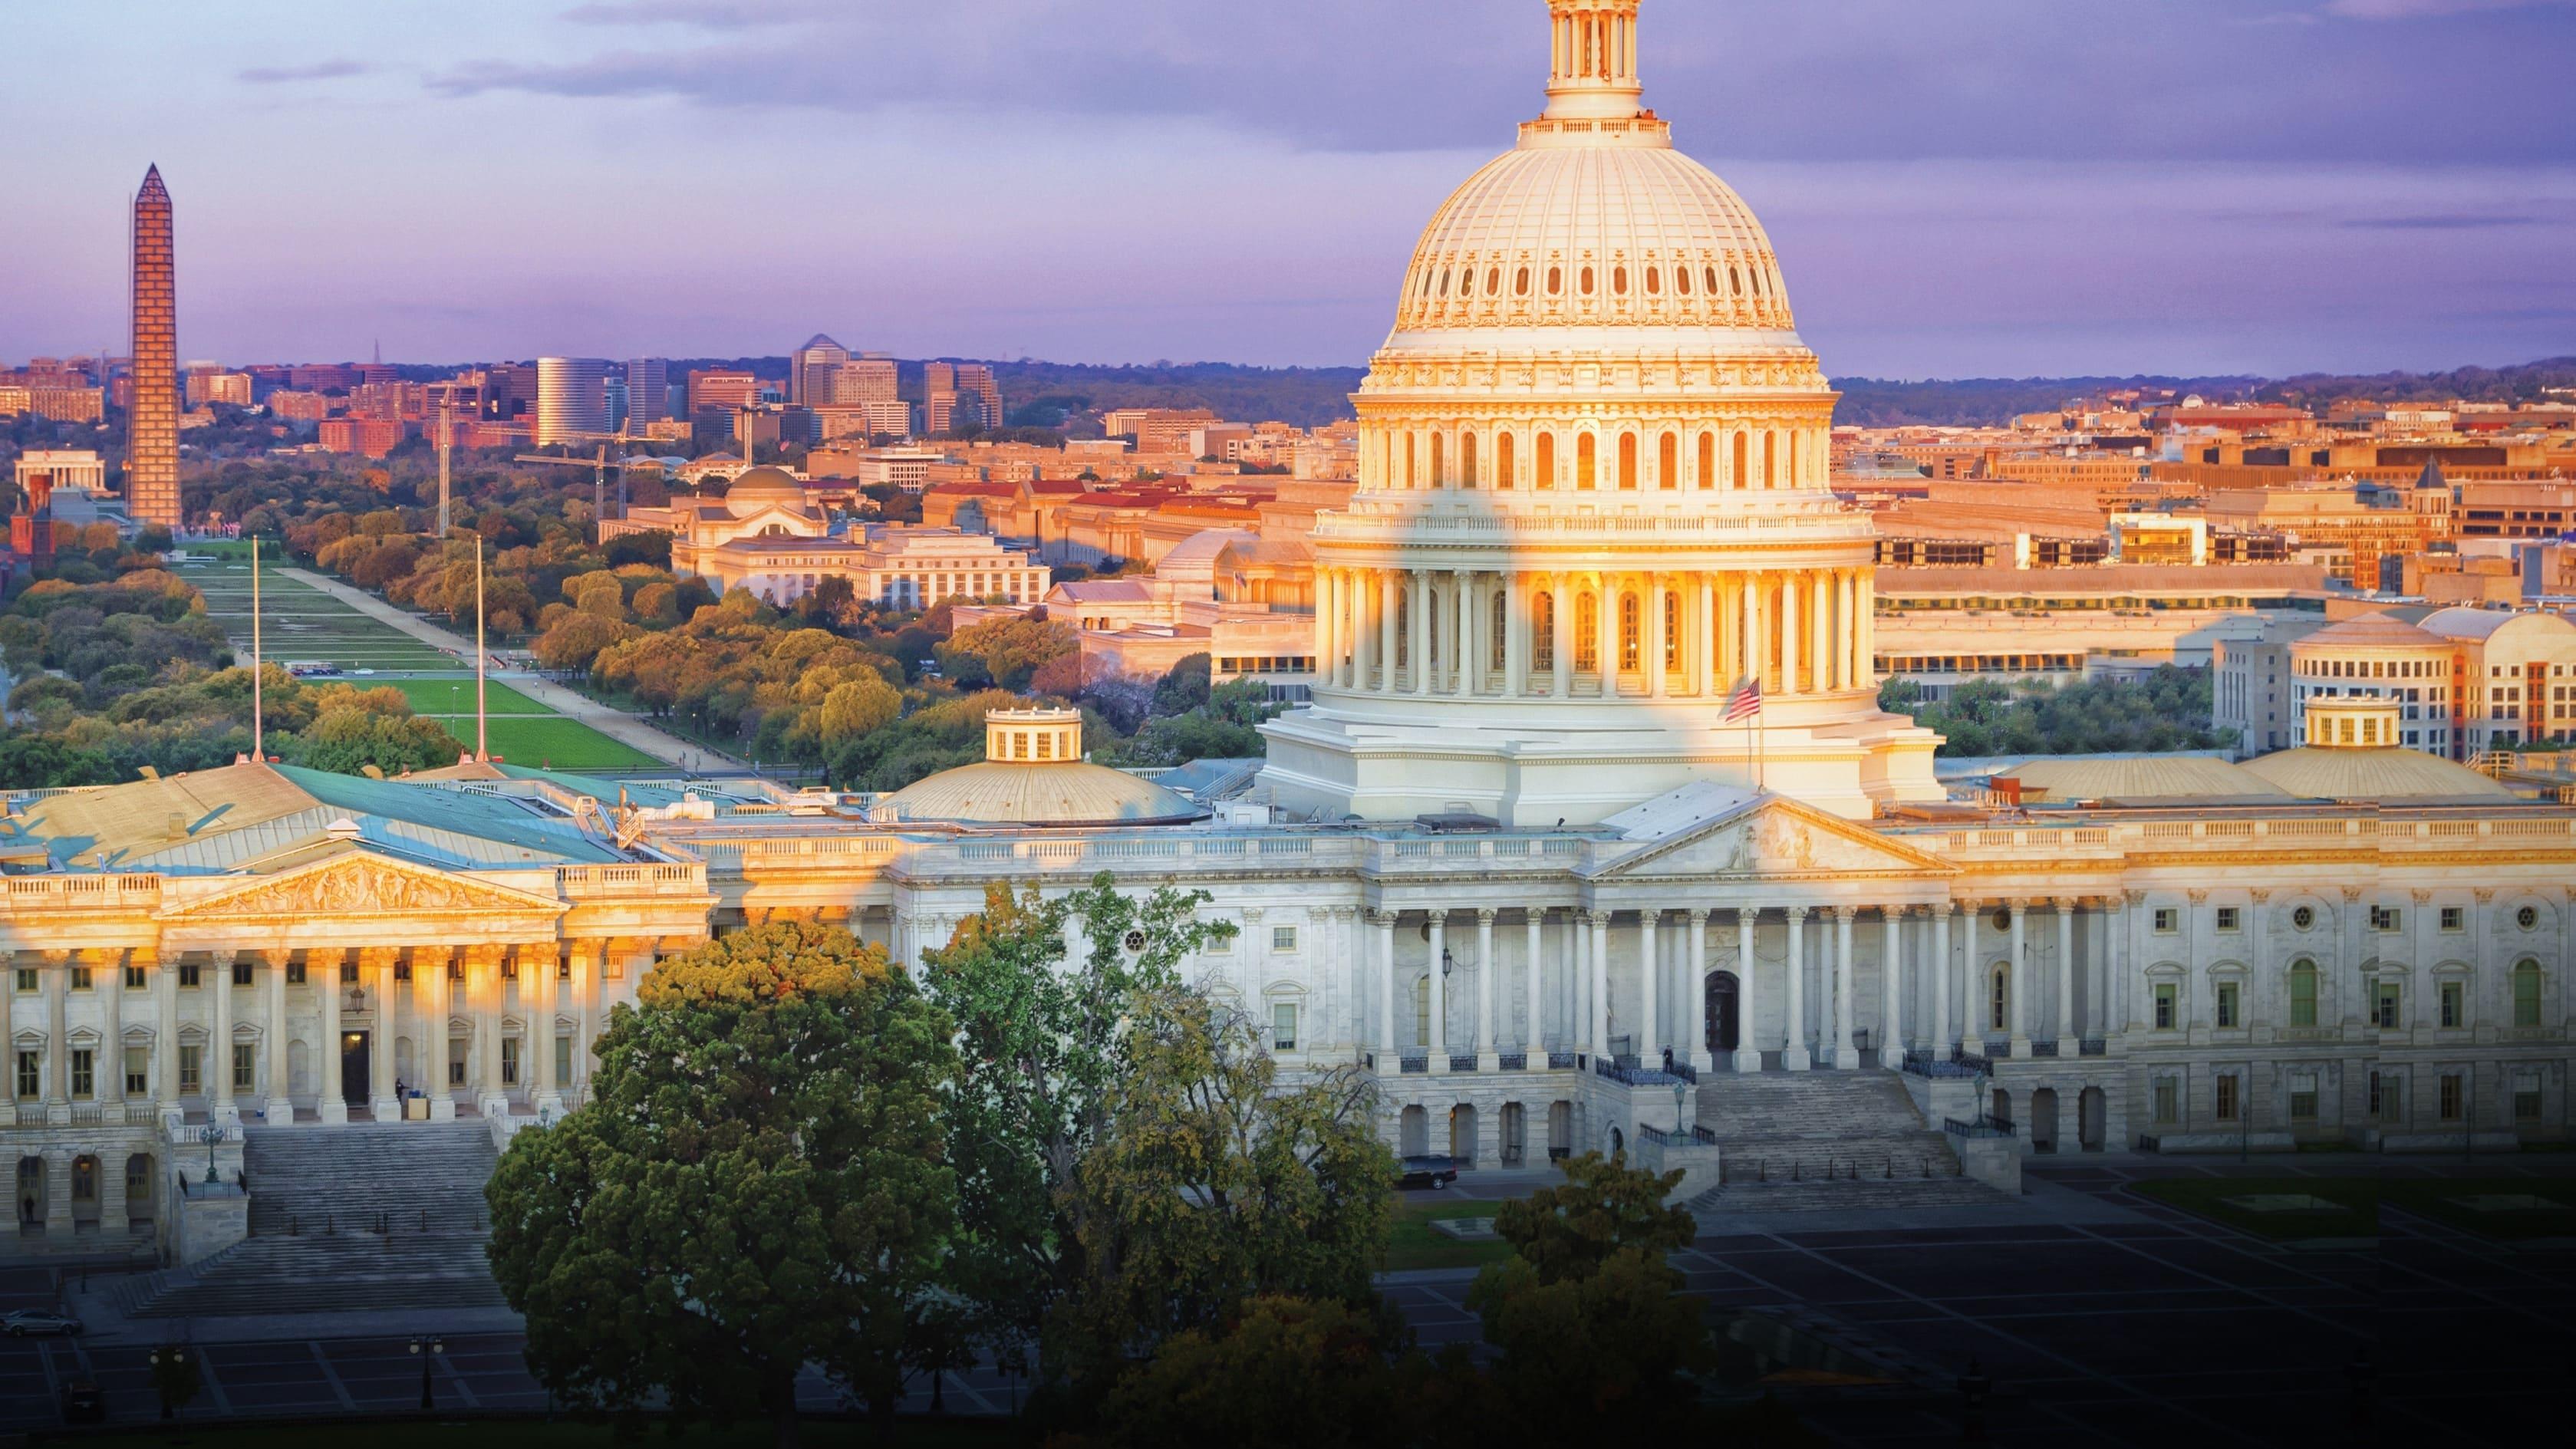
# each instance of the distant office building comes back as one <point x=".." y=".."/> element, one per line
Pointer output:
<point x="367" y="437"/>
<point x="810" y="370"/>
<point x="721" y="388"/>
<point x="951" y="409"/>
<point x="572" y="399"/>
<point x="509" y="391"/>
<point x="977" y="378"/>
<point x="648" y="391"/>
<point x="866" y="379"/>
<point x="152" y="427"/>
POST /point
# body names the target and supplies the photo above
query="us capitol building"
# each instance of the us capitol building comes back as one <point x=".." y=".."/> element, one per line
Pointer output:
<point x="1511" y="860"/>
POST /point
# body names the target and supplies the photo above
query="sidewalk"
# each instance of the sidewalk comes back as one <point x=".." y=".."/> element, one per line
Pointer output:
<point x="617" y="725"/>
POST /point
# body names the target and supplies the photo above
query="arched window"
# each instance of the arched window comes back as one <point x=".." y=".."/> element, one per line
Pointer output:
<point x="1542" y="633"/>
<point x="1789" y="459"/>
<point x="1770" y="460"/>
<point x="1439" y="461"/>
<point x="2303" y="992"/>
<point x="1628" y="460"/>
<point x="1587" y="631"/>
<point x="1422" y="1010"/>
<point x="1619" y="280"/>
<point x="1708" y="460"/>
<point x="1546" y="461"/>
<point x="1998" y="1002"/>
<point x="1444" y="281"/>
<point x="1668" y="463"/>
<point x="2526" y="992"/>
<point x="1586" y="283"/>
<point x="1757" y="281"/>
<point x="1681" y="280"/>
<point x="1672" y="631"/>
<point x="1493" y="281"/>
<point x="1586" y="460"/>
<point x="1555" y="281"/>
<point x="1408" y="460"/>
<point x="1740" y="477"/>
<point x="1504" y="477"/>
<point x="1520" y="283"/>
<point x="1654" y="282"/>
<point x="1629" y="630"/>
<point x="1737" y="273"/>
<point x="1466" y="460"/>
<point x="1498" y="630"/>
<point x="1711" y="277"/>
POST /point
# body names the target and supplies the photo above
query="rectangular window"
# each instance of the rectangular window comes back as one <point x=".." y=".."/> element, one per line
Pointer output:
<point x="455" y="1063"/>
<point x="2526" y="1099"/>
<point x="2228" y="916"/>
<point x="245" y="1066"/>
<point x="2387" y="918"/>
<point x="348" y="973"/>
<point x="2453" y="918"/>
<point x="1283" y="938"/>
<point x="192" y="1069"/>
<point x="2387" y="1098"/>
<point x="2168" y="1100"/>
<point x="84" y="1072"/>
<point x="2168" y="920"/>
<point x="2450" y="1096"/>
<point x="241" y="973"/>
<point x="612" y="968"/>
<point x="2390" y="998"/>
<point x="563" y="968"/>
<point x="138" y="1071"/>
<point x="402" y="970"/>
<point x="2168" y="1004"/>
<point x="2454" y="1013"/>
<point x="510" y="970"/>
<point x="27" y="979"/>
<point x="2303" y="1099"/>
<point x="2526" y="994"/>
<point x="1283" y="1026"/>
<point x="455" y="969"/>
<point x="31" y="1075"/>
<point x="2303" y="997"/>
<point x="2227" y="1104"/>
<point x="81" y="978"/>
<point x="2227" y="1003"/>
<point x="509" y="1061"/>
<point x="295" y="973"/>
<point x="136" y="978"/>
<point x="563" y="1061"/>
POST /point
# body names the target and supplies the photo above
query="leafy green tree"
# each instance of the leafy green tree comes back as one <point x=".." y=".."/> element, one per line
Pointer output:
<point x="1004" y="651"/>
<point x="758" y="1184"/>
<point x="347" y="741"/>
<point x="1215" y="1183"/>
<point x="1044" y="1039"/>
<point x="1586" y="1316"/>
<point x="1288" y="1373"/>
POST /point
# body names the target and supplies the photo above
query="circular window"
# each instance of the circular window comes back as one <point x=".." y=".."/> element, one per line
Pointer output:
<point x="2003" y="920"/>
<point x="2304" y="917"/>
<point x="2526" y="918"/>
<point x="1136" y="942"/>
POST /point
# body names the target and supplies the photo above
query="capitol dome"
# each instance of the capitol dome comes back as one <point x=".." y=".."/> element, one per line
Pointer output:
<point x="754" y="489"/>
<point x="1595" y="502"/>
<point x="1033" y="774"/>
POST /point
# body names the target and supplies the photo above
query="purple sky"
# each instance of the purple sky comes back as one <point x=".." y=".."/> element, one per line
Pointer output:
<point x="1957" y="187"/>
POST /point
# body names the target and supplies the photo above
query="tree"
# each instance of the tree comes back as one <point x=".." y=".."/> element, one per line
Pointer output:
<point x="347" y="740"/>
<point x="1586" y="1315"/>
<point x="1288" y="1373"/>
<point x="1004" y="651"/>
<point x="759" y="1183"/>
<point x="1043" y="1037"/>
<point x="1214" y="1183"/>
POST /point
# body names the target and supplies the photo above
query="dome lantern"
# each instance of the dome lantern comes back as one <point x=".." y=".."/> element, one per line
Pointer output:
<point x="1592" y="67"/>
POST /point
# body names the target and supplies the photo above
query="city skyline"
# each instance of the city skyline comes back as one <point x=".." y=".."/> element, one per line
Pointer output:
<point x="2229" y="188"/>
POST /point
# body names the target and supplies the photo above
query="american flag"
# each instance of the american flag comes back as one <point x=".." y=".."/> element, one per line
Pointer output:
<point x="1746" y="702"/>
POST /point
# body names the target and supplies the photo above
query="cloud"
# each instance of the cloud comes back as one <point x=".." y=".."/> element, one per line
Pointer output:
<point x="2453" y="221"/>
<point x="270" y="75"/>
<point x="701" y="14"/>
<point x="2424" y="9"/>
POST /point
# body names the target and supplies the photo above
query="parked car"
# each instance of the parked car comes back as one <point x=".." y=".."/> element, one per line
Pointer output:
<point x="28" y="1323"/>
<point x="83" y="1403"/>
<point x="1435" y="1173"/>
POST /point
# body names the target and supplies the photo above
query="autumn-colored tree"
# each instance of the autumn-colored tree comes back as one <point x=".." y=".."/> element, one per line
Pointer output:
<point x="758" y="1184"/>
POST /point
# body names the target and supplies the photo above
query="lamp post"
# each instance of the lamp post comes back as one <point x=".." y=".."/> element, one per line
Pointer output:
<point x="427" y="1351"/>
<point x="1681" y="1096"/>
<point x="167" y="1364"/>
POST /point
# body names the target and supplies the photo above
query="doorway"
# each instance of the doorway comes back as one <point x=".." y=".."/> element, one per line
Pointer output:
<point x="1725" y="1027"/>
<point x="2089" y="1113"/>
<point x="1462" y="1134"/>
<point x="2043" y="1120"/>
<point x="354" y="1074"/>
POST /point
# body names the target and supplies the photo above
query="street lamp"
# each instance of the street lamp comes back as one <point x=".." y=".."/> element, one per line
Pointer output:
<point x="427" y="1351"/>
<point x="176" y="1358"/>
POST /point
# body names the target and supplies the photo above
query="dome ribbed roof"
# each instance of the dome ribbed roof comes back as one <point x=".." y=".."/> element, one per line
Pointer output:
<point x="2382" y="774"/>
<point x="2143" y="777"/>
<point x="2375" y="631"/>
<point x="1665" y="241"/>
<point x="755" y="488"/>
<point x="1057" y="792"/>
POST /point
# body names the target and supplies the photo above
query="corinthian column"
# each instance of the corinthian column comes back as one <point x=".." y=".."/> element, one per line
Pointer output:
<point x="1748" y="1034"/>
<point x="1789" y="637"/>
<point x="1561" y="630"/>
<point x="280" y="1106"/>
<point x="1418" y="627"/>
<point x="322" y="973"/>
<point x="1794" y="1056"/>
<point x="1387" y="583"/>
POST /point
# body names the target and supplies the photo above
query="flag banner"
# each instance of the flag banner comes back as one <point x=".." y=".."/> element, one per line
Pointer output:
<point x="1745" y="703"/>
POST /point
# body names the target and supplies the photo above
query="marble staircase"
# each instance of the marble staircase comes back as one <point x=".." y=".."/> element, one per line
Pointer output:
<point x="1826" y="1141"/>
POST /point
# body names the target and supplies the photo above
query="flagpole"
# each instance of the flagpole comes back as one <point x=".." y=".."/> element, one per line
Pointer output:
<point x="482" y="748"/>
<point x="258" y="726"/>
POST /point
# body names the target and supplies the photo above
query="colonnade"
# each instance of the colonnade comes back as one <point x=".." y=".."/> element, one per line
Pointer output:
<point x="1561" y="634"/>
<point x="1759" y="455"/>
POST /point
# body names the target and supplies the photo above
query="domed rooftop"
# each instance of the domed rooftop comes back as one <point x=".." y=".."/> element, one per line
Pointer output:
<point x="2324" y="773"/>
<point x="2370" y="631"/>
<point x="757" y="488"/>
<point x="1033" y="773"/>
<point x="1594" y="220"/>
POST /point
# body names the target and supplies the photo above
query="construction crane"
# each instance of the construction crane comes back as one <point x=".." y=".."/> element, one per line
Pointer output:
<point x="598" y="467"/>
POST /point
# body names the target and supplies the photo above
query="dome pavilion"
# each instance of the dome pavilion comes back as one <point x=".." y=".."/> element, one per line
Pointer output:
<point x="1593" y="500"/>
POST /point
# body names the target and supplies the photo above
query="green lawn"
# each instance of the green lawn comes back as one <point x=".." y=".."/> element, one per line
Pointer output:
<point x="2355" y="1214"/>
<point x="455" y="696"/>
<point x="553" y="742"/>
<point x="1411" y="1243"/>
<point x="299" y="622"/>
<point x="2434" y="1198"/>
